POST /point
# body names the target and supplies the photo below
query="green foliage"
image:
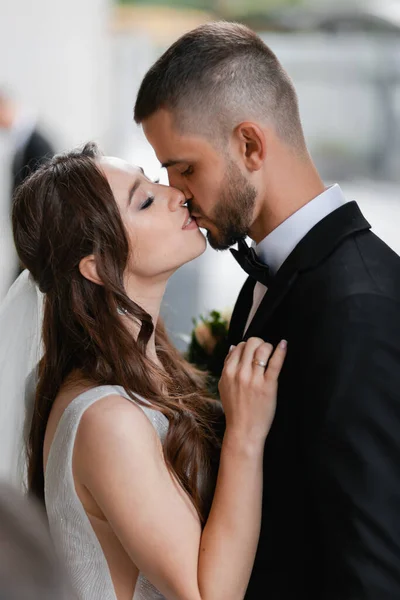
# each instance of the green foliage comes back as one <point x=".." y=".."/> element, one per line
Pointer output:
<point x="243" y="7"/>
<point x="224" y="8"/>
<point x="199" y="4"/>
<point x="216" y="323"/>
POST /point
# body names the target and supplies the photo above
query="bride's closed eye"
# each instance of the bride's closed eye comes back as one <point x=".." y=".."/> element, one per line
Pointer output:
<point x="148" y="202"/>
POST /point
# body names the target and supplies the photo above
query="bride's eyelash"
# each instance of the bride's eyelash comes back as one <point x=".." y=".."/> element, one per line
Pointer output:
<point x="148" y="202"/>
<point x="156" y="180"/>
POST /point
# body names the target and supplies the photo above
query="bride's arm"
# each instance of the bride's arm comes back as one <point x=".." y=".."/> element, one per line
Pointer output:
<point x="118" y="457"/>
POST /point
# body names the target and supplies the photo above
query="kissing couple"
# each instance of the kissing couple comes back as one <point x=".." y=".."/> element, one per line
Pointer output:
<point x="151" y="488"/>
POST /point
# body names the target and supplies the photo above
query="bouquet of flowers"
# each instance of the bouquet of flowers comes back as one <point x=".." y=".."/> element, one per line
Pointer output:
<point x="208" y="345"/>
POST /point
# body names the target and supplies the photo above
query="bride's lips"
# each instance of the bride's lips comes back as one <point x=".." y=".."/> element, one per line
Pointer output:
<point x="190" y="223"/>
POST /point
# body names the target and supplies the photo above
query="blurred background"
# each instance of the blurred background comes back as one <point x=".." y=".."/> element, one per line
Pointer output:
<point x="73" y="68"/>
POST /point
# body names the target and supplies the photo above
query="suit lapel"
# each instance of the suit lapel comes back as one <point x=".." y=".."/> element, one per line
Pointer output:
<point x="311" y="251"/>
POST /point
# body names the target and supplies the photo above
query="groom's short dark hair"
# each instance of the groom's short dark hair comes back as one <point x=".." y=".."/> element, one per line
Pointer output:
<point x="217" y="76"/>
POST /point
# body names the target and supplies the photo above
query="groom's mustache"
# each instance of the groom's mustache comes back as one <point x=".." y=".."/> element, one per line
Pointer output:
<point x="189" y="204"/>
<point x="194" y="209"/>
<point x="197" y="213"/>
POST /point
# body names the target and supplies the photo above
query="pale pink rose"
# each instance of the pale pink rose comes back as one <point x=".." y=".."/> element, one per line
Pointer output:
<point x="226" y="314"/>
<point x="205" y="338"/>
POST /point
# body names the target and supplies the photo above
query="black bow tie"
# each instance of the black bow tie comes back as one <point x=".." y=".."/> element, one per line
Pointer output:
<point x="251" y="264"/>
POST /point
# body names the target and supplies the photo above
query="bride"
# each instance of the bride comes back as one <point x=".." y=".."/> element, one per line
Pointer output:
<point x="122" y="440"/>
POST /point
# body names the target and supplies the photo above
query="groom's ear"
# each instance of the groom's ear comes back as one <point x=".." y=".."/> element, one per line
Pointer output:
<point x="252" y="145"/>
<point x="88" y="269"/>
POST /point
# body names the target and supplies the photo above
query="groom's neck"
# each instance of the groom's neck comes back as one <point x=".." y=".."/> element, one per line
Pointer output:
<point x="289" y="184"/>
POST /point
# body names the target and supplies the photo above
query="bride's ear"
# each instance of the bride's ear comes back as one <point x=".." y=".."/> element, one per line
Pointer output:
<point x="88" y="269"/>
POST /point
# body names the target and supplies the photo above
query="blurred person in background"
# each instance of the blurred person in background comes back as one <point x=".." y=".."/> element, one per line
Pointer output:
<point x="223" y="118"/>
<point x="123" y="446"/>
<point x="29" y="568"/>
<point x="30" y="145"/>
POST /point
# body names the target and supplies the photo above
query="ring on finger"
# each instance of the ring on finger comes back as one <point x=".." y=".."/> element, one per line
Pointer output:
<point x="260" y="363"/>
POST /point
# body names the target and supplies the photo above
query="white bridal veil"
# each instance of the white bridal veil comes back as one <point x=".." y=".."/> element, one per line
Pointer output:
<point x="21" y="315"/>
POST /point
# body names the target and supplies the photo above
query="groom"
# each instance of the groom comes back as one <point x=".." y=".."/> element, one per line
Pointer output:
<point x="223" y="118"/>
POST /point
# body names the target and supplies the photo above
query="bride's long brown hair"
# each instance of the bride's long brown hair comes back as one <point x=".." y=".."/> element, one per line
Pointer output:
<point x="62" y="213"/>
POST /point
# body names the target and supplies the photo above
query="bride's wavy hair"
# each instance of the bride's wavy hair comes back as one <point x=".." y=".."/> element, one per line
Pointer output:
<point x="62" y="213"/>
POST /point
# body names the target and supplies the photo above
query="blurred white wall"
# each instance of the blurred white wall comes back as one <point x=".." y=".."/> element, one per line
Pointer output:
<point x="55" y="56"/>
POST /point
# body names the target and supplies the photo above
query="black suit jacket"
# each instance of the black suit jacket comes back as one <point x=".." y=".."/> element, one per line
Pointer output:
<point x="35" y="151"/>
<point x="331" y="502"/>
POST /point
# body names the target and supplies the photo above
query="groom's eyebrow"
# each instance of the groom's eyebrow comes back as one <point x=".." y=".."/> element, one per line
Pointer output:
<point x="171" y="163"/>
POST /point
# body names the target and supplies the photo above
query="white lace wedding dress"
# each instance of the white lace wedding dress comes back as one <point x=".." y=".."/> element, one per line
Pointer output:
<point x="69" y="525"/>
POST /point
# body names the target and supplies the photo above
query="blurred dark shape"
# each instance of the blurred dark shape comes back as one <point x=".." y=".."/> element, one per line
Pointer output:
<point x="29" y="569"/>
<point x="31" y="146"/>
<point x="373" y="20"/>
<point x="370" y="16"/>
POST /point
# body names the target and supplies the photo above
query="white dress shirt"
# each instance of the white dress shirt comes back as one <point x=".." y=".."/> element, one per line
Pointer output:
<point x="276" y="247"/>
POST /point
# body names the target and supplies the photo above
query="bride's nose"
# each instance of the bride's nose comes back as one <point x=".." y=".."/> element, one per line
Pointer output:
<point x="176" y="200"/>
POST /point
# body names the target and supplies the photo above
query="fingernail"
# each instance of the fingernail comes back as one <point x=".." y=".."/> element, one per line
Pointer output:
<point x="231" y="348"/>
<point x="283" y="344"/>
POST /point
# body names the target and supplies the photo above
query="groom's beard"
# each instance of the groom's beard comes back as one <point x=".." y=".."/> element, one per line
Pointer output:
<point x="233" y="214"/>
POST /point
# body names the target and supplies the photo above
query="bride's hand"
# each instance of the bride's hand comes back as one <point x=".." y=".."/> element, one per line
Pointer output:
<point x="248" y="390"/>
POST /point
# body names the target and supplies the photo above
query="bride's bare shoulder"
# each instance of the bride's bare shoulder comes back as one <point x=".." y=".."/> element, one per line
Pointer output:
<point x="111" y="409"/>
<point x="114" y="431"/>
<point x="113" y="419"/>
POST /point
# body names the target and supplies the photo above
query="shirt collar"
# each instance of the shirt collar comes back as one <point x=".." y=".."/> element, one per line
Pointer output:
<point x="276" y="247"/>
